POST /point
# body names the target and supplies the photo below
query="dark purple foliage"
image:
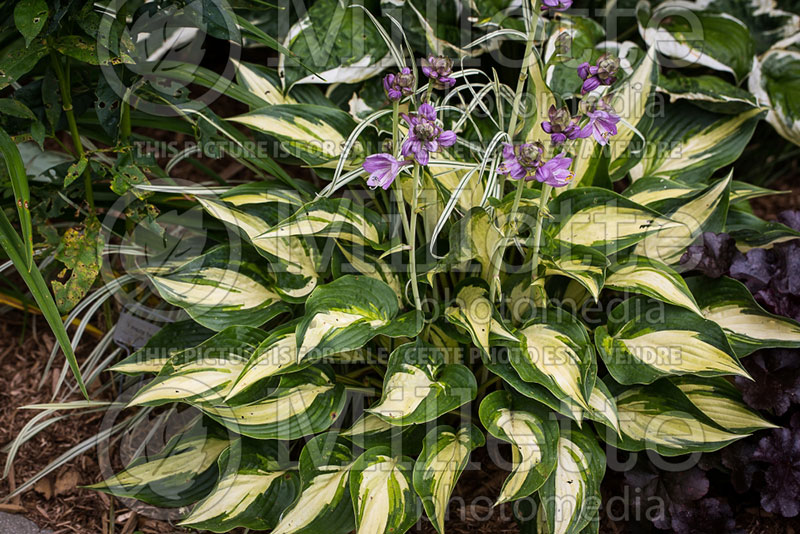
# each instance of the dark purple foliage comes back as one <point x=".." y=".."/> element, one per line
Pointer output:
<point x="712" y="255"/>
<point x="706" y="516"/>
<point x="776" y="380"/>
<point x="781" y="451"/>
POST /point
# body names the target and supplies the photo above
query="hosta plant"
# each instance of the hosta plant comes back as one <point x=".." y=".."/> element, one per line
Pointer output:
<point x="483" y="262"/>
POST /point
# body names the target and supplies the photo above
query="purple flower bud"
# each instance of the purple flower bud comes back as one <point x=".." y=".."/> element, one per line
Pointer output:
<point x="399" y="85"/>
<point x="439" y="69"/>
<point x="603" y="73"/>
<point x="382" y="169"/>
<point x="562" y="126"/>
<point x="521" y="161"/>
<point x="556" y="5"/>
<point x="425" y="135"/>
<point x="555" y="172"/>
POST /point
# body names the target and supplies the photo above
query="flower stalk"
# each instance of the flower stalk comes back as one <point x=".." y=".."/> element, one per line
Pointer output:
<point x="412" y="239"/>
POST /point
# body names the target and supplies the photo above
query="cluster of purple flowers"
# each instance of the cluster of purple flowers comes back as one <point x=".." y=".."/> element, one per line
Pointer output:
<point x="425" y="135"/>
<point x="523" y="161"/>
<point x="601" y="73"/>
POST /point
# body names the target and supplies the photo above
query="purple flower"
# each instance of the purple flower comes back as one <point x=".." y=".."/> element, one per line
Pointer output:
<point x="439" y="69"/>
<point x="555" y="172"/>
<point x="399" y="85"/>
<point x="556" y="5"/>
<point x="382" y="169"/>
<point x="521" y="161"/>
<point x="563" y="126"/>
<point x="602" y="73"/>
<point x="425" y="135"/>
<point x="602" y="125"/>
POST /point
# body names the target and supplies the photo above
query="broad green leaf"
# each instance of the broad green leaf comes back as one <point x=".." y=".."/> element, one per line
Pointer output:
<point x="171" y="339"/>
<point x="533" y="435"/>
<point x="311" y="132"/>
<point x="325" y="37"/>
<point x="419" y="387"/>
<point x="357" y="260"/>
<point x="291" y="258"/>
<point x="647" y="339"/>
<point x="707" y="91"/>
<point x="223" y="287"/>
<point x="661" y="418"/>
<point x="338" y="218"/>
<point x="180" y="474"/>
<point x="30" y="17"/>
<point x="602" y="219"/>
<point x="748" y="326"/>
<point x="324" y="505"/>
<point x="767" y="22"/>
<point x="632" y="102"/>
<point x="205" y="373"/>
<point x="277" y="354"/>
<point x="602" y="407"/>
<point x="639" y="274"/>
<point x="383" y="498"/>
<point x="369" y="431"/>
<point x="557" y="353"/>
<point x="705" y="211"/>
<point x="571" y="496"/>
<point x="81" y="251"/>
<point x="774" y="83"/>
<point x="695" y="37"/>
<point x="254" y="488"/>
<point x="721" y="402"/>
<point x="585" y="265"/>
<point x="18" y="62"/>
<point x="348" y="312"/>
<point x="445" y="454"/>
<point x="472" y="311"/>
<point x="15" y="108"/>
<point x="751" y="231"/>
<point x="305" y="402"/>
<point x="697" y="142"/>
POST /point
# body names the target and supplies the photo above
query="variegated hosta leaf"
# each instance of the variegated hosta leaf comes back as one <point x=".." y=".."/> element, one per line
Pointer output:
<point x="660" y="417"/>
<point x="533" y="434"/>
<point x="303" y="403"/>
<point x="774" y="82"/>
<point x="557" y="353"/>
<point x="646" y="339"/>
<point x="445" y="454"/>
<point x="348" y="312"/>
<point x="571" y="496"/>
<point x="705" y="211"/>
<point x="721" y="402"/>
<point x="707" y="91"/>
<point x="358" y="260"/>
<point x="324" y="505"/>
<point x="324" y="38"/>
<point x="696" y="37"/>
<point x="265" y="194"/>
<point x="751" y="231"/>
<point x="748" y="326"/>
<point x="333" y="217"/>
<point x="632" y="101"/>
<point x="291" y="258"/>
<point x="741" y="191"/>
<point x="700" y="142"/>
<point x="221" y="288"/>
<point x="369" y="431"/>
<point x="419" y="387"/>
<point x="313" y="133"/>
<point x="180" y="474"/>
<point x="204" y="373"/>
<point x="263" y="83"/>
<point x="171" y="339"/>
<point x="650" y="190"/>
<point x="383" y="498"/>
<point x="472" y="311"/>
<point x="583" y="264"/>
<point x="639" y="274"/>
<point x="275" y="355"/>
<point x="602" y="219"/>
<point x="254" y="487"/>
<point x="475" y="237"/>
